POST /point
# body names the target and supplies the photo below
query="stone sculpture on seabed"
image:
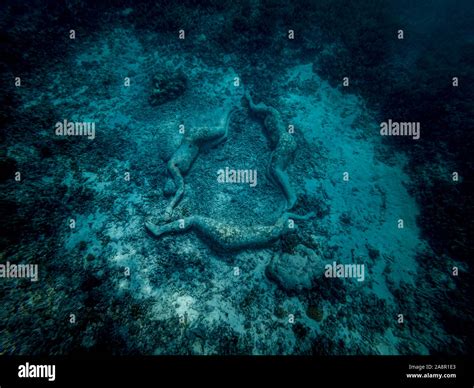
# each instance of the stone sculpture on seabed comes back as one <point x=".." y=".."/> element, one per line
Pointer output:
<point x="230" y="236"/>
<point x="283" y="147"/>
<point x="184" y="157"/>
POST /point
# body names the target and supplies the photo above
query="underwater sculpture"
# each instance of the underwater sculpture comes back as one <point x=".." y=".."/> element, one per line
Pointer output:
<point x="231" y="236"/>
<point x="183" y="158"/>
<point x="283" y="145"/>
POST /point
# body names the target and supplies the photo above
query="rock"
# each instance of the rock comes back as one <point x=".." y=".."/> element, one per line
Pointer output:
<point x="167" y="86"/>
<point x="295" y="272"/>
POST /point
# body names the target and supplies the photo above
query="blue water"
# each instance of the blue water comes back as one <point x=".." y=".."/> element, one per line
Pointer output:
<point x="107" y="285"/>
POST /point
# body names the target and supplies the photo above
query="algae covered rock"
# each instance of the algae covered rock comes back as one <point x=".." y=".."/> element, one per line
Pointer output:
<point x="295" y="272"/>
<point x="316" y="313"/>
<point x="167" y="86"/>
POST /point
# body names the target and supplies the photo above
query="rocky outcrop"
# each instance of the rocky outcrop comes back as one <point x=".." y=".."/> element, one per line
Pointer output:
<point x="297" y="271"/>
